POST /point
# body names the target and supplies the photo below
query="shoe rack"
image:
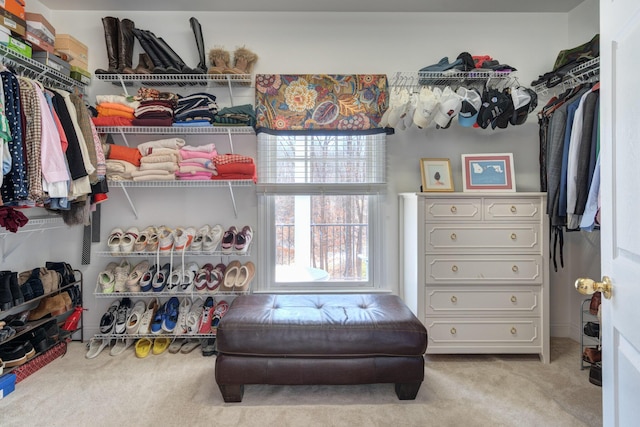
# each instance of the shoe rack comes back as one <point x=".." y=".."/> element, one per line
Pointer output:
<point x="587" y="340"/>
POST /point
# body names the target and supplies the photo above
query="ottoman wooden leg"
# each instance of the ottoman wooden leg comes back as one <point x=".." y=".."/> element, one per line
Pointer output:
<point x="232" y="392"/>
<point x="407" y="391"/>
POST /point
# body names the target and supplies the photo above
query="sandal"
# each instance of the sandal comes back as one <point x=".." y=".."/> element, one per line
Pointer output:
<point x="95" y="347"/>
<point x="190" y="345"/>
<point x="231" y="275"/>
<point x="176" y="345"/>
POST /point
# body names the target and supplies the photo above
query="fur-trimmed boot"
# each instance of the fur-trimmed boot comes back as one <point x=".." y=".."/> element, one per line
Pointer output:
<point x="244" y="61"/>
<point x="219" y="59"/>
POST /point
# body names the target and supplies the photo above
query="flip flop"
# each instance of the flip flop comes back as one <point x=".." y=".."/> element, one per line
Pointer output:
<point x="190" y="345"/>
<point x="176" y="345"/>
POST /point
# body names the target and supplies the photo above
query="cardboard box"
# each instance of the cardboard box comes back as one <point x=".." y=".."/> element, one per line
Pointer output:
<point x="80" y="74"/>
<point x="40" y="27"/>
<point x="37" y="43"/>
<point x="23" y="48"/>
<point x="14" y="6"/>
<point x="71" y="46"/>
<point x="7" y="384"/>
<point x="16" y="24"/>
<point x="52" y="61"/>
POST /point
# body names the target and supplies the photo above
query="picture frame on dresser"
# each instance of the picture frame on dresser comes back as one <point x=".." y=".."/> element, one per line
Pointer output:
<point x="436" y="175"/>
<point x="493" y="172"/>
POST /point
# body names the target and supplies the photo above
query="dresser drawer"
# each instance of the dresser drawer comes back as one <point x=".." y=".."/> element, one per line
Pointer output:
<point x="513" y="209"/>
<point x="479" y="333"/>
<point x="490" y="270"/>
<point x="453" y="209"/>
<point x="456" y="300"/>
<point x="486" y="238"/>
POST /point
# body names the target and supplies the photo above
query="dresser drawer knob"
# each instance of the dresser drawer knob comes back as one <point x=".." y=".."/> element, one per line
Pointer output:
<point x="453" y="331"/>
<point x="514" y="268"/>
<point x="453" y="236"/>
<point x="454" y="268"/>
<point x="514" y="331"/>
<point x="513" y="236"/>
<point x="454" y="299"/>
<point x="514" y="209"/>
<point x="454" y="209"/>
<point x="513" y="298"/>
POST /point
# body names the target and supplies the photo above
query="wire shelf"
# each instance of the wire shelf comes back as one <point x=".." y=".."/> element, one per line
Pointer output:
<point x="168" y="254"/>
<point x="582" y="73"/>
<point x="179" y="130"/>
<point x="38" y="71"/>
<point x="447" y="78"/>
<point x="184" y="184"/>
<point x="177" y="79"/>
<point x="166" y="294"/>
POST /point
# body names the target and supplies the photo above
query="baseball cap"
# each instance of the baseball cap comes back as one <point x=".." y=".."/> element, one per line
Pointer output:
<point x="502" y="120"/>
<point x="494" y="103"/>
<point x="470" y="106"/>
<point x="525" y="101"/>
<point x="449" y="107"/>
<point x="426" y="107"/>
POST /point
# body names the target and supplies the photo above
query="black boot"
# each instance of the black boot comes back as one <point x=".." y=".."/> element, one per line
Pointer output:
<point x="6" y="299"/>
<point x="169" y="54"/>
<point x="16" y="293"/>
<point x="111" y="31"/>
<point x="125" y="47"/>
<point x="201" y="68"/>
<point x="159" y="66"/>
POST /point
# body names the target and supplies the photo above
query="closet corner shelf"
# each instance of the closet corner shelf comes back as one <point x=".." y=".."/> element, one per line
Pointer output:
<point x="110" y="254"/>
<point x="166" y="294"/>
<point x="35" y="224"/>
<point x="415" y="79"/>
<point x="38" y="71"/>
<point x="581" y="73"/>
<point x="176" y="130"/>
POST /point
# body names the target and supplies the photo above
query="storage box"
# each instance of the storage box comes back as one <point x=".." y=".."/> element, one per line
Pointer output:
<point x="14" y="6"/>
<point x="80" y="74"/>
<point x="16" y="24"/>
<point x="7" y="384"/>
<point x="37" y="43"/>
<point x="78" y="51"/>
<point x="52" y="61"/>
<point x="40" y="27"/>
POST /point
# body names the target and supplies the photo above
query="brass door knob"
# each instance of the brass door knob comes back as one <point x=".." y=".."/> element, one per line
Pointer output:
<point x="588" y="286"/>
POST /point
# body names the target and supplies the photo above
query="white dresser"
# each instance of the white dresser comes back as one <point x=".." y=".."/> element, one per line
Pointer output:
<point x="474" y="267"/>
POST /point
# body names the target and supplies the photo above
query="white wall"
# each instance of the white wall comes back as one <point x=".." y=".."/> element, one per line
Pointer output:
<point x="333" y="43"/>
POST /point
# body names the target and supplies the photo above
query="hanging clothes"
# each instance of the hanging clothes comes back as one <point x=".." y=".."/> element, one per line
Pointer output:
<point x="14" y="186"/>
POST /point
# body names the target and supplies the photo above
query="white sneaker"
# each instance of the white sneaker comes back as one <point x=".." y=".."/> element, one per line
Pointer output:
<point x="135" y="317"/>
<point x="175" y="279"/>
<point x="129" y="238"/>
<point x="198" y="240"/>
<point x="107" y="279"/>
<point x="189" y="275"/>
<point x="122" y="272"/>
<point x="165" y="238"/>
<point x="121" y="345"/>
<point x="133" y="280"/>
<point x="213" y="239"/>
<point x="193" y="318"/>
<point x="182" y="238"/>
<point x="183" y="313"/>
<point x="146" y="239"/>
<point x="147" y="317"/>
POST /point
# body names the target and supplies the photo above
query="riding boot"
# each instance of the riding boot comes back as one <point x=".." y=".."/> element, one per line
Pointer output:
<point x="158" y="64"/>
<point x="170" y="54"/>
<point x="111" y="30"/>
<point x="125" y="47"/>
<point x="197" y="31"/>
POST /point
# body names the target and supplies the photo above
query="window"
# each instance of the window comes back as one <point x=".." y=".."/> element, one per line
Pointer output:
<point x="320" y="203"/>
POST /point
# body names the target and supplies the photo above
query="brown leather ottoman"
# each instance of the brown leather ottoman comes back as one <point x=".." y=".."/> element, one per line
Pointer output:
<point x="319" y="339"/>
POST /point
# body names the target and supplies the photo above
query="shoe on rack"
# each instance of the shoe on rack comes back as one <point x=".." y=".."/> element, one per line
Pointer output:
<point x="198" y="239"/>
<point x="170" y="319"/>
<point x="203" y="277"/>
<point x="135" y="317"/>
<point x="147" y="240"/>
<point x="189" y="276"/>
<point x="244" y="277"/>
<point x="158" y="318"/>
<point x="175" y="279"/>
<point x="182" y="238"/>
<point x="229" y="240"/>
<point x="217" y="278"/>
<point x="213" y="239"/>
<point x="160" y="345"/>
<point x="13" y="354"/>
<point x="146" y="281"/>
<point x="133" y="280"/>
<point x="121" y="274"/>
<point x="143" y="347"/>
<point x="161" y="277"/>
<point x="121" y="345"/>
<point x="148" y="316"/>
<point x="114" y="240"/>
<point x="207" y="313"/>
<point x="183" y="313"/>
<point x="231" y="275"/>
<point x="165" y="238"/>
<point x="107" y="278"/>
<point x="194" y="316"/>
<point x="108" y="320"/>
<point x="218" y="313"/>
<point x="122" y="315"/>
<point x="243" y="240"/>
<point x="95" y="347"/>
<point x="128" y="239"/>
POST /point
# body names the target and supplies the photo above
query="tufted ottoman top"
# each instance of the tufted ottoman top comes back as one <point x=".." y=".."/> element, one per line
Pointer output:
<point x="321" y="326"/>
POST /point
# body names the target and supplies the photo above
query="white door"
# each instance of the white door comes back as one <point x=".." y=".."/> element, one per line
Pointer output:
<point x="620" y="190"/>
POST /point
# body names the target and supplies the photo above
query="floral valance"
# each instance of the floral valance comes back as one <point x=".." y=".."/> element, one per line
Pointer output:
<point x="320" y="102"/>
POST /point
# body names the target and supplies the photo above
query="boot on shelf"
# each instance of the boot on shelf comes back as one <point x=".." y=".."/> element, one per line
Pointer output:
<point x="6" y="299"/>
<point x="161" y="63"/>
<point x="175" y="60"/>
<point x="145" y="64"/>
<point x="201" y="68"/>
<point x="14" y="286"/>
<point x="111" y="30"/>
<point x="219" y="59"/>
<point x="125" y="47"/>
<point x="243" y="60"/>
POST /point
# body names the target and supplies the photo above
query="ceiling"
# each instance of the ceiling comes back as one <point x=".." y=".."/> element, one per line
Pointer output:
<point x="489" y="6"/>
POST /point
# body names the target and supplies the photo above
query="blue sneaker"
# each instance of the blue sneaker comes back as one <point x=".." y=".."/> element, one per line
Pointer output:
<point x="171" y="314"/>
<point x="156" y="323"/>
<point x="161" y="277"/>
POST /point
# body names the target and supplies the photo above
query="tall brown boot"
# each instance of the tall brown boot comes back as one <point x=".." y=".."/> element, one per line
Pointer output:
<point x="125" y="47"/>
<point x="219" y="59"/>
<point x="145" y="65"/>
<point x="244" y="60"/>
<point x="111" y="30"/>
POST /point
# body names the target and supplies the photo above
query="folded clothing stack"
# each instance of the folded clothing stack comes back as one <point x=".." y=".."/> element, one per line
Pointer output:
<point x="241" y="115"/>
<point x="157" y="112"/>
<point x="114" y="110"/>
<point x="198" y="109"/>
<point x="197" y="162"/>
<point x="235" y="166"/>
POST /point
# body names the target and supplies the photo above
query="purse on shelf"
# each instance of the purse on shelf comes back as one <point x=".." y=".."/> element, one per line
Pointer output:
<point x="596" y="298"/>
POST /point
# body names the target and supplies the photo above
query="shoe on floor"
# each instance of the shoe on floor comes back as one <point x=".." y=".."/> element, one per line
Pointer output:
<point x="209" y="347"/>
<point x="95" y="347"/>
<point x="143" y="347"/>
<point x="190" y="345"/>
<point x="121" y="345"/>
<point x="176" y="345"/>
<point x="160" y="345"/>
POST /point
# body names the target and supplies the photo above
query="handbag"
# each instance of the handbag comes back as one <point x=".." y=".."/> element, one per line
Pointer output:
<point x="596" y="299"/>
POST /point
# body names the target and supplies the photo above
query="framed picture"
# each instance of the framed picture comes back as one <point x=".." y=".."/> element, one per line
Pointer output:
<point x="488" y="172"/>
<point x="436" y="175"/>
